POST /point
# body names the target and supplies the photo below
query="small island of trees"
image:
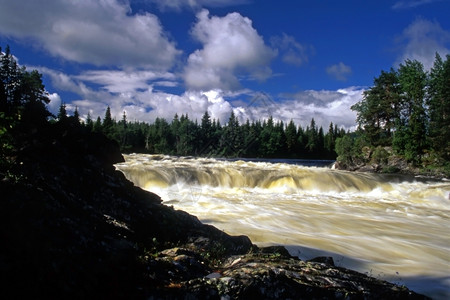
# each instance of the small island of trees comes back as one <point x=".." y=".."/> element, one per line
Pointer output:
<point x="404" y="115"/>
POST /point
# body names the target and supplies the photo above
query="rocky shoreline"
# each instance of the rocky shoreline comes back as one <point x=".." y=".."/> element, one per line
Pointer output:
<point x="387" y="163"/>
<point x="74" y="227"/>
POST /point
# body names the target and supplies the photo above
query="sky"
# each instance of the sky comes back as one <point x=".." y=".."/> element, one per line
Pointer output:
<point x="289" y="59"/>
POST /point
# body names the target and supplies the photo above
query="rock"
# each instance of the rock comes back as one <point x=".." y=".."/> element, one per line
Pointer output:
<point x="74" y="227"/>
<point x="323" y="259"/>
<point x="279" y="251"/>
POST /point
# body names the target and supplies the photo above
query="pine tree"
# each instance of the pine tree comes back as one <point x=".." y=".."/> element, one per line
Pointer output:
<point x="312" y="136"/>
<point x="291" y="138"/>
<point x="89" y="122"/>
<point x="62" y="113"/>
<point x="98" y="125"/>
<point x="412" y="79"/>
<point x="438" y="102"/>
<point x="107" y="120"/>
<point x="76" y="115"/>
<point x="379" y="110"/>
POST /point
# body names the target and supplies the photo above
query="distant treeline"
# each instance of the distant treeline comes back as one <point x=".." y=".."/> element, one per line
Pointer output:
<point x="23" y="102"/>
<point x="183" y="136"/>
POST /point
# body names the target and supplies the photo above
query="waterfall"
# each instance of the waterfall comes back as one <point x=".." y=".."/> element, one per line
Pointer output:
<point x="392" y="227"/>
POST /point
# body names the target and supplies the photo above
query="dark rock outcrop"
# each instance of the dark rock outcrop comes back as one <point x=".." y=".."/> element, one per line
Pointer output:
<point x="74" y="227"/>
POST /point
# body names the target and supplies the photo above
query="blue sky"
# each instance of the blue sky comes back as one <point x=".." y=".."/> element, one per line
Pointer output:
<point x="154" y="58"/>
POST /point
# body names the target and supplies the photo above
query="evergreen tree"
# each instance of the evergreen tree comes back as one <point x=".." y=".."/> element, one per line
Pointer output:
<point x="11" y="78"/>
<point x="98" y="125"/>
<point x="124" y="120"/>
<point x="205" y="135"/>
<point x="330" y="141"/>
<point x="76" y="115"/>
<point x="291" y="138"/>
<point x="232" y="141"/>
<point x="312" y="137"/>
<point x="108" y="124"/>
<point x="412" y="79"/>
<point x="320" y="144"/>
<point x="438" y="102"/>
<point x="379" y="110"/>
<point x="62" y="113"/>
<point x="107" y="120"/>
<point x="22" y="104"/>
<point x="89" y="122"/>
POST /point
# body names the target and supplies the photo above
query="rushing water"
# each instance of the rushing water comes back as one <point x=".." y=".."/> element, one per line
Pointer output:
<point x="390" y="227"/>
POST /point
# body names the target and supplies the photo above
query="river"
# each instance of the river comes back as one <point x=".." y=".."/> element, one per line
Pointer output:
<point x="394" y="228"/>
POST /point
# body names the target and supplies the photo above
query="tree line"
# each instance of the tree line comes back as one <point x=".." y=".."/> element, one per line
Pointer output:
<point x="406" y="111"/>
<point x="185" y="137"/>
<point x="23" y="108"/>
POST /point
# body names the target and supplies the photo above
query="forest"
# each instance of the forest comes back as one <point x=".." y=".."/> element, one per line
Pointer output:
<point x="23" y="106"/>
<point x="183" y="136"/>
<point x="406" y="113"/>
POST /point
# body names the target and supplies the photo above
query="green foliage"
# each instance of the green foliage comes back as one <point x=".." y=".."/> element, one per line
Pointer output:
<point x="344" y="149"/>
<point x="380" y="155"/>
<point x="412" y="79"/>
<point x="409" y="110"/>
<point x="7" y="141"/>
<point x="438" y="102"/>
<point x="209" y="138"/>
<point x="380" y="108"/>
<point x="62" y="113"/>
<point x="22" y="106"/>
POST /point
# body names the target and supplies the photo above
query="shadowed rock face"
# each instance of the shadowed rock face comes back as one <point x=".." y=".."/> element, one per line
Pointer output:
<point x="74" y="227"/>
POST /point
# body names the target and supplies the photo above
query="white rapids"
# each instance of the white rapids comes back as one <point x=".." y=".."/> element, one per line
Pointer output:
<point x="390" y="227"/>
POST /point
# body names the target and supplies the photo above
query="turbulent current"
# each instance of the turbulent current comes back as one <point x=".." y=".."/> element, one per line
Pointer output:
<point x="391" y="227"/>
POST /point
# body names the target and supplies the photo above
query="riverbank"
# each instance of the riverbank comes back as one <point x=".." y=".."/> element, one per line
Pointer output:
<point x="74" y="227"/>
<point x="385" y="161"/>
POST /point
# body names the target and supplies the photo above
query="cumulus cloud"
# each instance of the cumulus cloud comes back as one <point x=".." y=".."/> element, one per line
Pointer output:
<point x="89" y="31"/>
<point x="148" y="104"/>
<point x="140" y="101"/>
<point x="54" y="104"/>
<point x="325" y="106"/>
<point x="339" y="71"/>
<point x="421" y="40"/>
<point x="231" y="46"/>
<point x="292" y="52"/>
<point x="195" y="4"/>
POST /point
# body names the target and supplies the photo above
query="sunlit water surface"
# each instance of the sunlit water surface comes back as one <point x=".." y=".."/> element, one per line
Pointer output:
<point x="393" y="228"/>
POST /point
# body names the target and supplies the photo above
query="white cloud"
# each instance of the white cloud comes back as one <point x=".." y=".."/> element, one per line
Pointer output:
<point x="292" y="52"/>
<point x="147" y="104"/>
<point x="325" y="106"/>
<point x="412" y="3"/>
<point x="421" y="40"/>
<point x="339" y="71"/>
<point x="89" y="31"/>
<point x="60" y="80"/>
<point x="124" y="81"/>
<point x="231" y="46"/>
<point x="55" y="103"/>
<point x="195" y="4"/>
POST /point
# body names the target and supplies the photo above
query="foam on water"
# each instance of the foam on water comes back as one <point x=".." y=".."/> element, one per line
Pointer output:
<point x="388" y="227"/>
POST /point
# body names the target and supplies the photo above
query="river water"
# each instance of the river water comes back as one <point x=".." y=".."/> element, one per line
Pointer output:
<point x="390" y="227"/>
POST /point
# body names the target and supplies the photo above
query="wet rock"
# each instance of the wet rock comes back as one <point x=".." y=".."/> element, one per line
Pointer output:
<point x="323" y="259"/>
<point x="277" y="251"/>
